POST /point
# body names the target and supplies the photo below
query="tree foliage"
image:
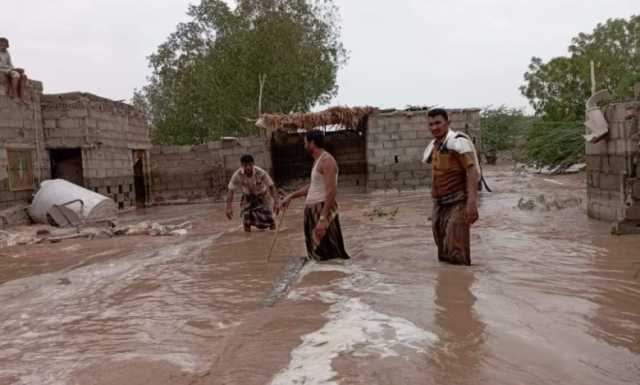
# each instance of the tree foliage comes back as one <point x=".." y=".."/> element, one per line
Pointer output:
<point x="500" y="127"/>
<point x="558" y="144"/>
<point x="558" y="89"/>
<point x="206" y="77"/>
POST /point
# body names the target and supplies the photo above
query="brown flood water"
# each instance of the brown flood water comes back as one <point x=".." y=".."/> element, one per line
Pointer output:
<point x="551" y="298"/>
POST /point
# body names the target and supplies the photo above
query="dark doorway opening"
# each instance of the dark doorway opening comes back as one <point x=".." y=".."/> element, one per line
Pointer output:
<point x="67" y="164"/>
<point x="292" y="164"/>
<point x="139" y="184"/>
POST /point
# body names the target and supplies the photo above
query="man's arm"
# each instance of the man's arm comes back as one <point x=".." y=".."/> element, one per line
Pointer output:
<point x="229" y="211"/>
<point x="233" y="185"/>
<point x="329" y="170"/>
<point x="301" y="192"/>
<point x="472" y="194"/>
<point x="276" y="199"/>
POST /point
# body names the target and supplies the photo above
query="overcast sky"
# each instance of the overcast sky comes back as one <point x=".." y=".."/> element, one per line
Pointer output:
<point x="459" y="53"/>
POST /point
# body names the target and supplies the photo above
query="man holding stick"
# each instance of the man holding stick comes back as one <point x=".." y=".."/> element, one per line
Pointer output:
<point x="323" y="235"/>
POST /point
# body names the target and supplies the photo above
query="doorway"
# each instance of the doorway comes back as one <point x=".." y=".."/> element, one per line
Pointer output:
<point x="67" y="164"/>
<point x="292" y="164"/>
<point x="140" y="182"/>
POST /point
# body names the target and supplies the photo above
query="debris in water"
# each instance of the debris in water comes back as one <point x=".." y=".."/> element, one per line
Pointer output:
<point x="381" y="213"/>
<point x="540" y="202"/>
<point x="154" y="229"/>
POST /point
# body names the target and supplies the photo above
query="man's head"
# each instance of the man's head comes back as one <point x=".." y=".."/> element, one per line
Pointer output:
<point x="247" y="163"/>
<point x="438" y="122"/>
<point x="4" y="43"/>
<point x="314" y="141"/>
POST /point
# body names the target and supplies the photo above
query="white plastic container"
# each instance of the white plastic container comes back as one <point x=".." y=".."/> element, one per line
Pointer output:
<point x="95" y="207"/>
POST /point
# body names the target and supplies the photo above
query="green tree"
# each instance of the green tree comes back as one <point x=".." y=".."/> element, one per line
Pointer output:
<point x="558" y="89"/>
<point x="500" y="129"/>
<point x="556" y="144"/>
<point x="206" y="77"/>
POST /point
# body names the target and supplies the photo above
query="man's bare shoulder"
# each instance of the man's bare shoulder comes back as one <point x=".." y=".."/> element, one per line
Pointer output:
<point x="237" y="174"/>
<point x="328" y="162"/>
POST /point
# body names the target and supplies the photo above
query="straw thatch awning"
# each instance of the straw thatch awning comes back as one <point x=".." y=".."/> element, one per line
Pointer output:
<point x="352" y="118"/>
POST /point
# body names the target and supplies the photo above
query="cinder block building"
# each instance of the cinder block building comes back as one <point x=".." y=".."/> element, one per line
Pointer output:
<point x="100" y="144"/>
<point x="94" y="142"/>
<point x="613" y="168"/>
<point x="23" y="158"/>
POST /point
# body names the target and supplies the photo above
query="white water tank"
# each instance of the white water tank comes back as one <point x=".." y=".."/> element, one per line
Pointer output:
<point x="95" y="207"/>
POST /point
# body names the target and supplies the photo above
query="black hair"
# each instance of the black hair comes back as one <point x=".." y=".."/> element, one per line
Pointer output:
<point x="246" y="159"/>
<point x="4" y="40"/>
<point x="438" y="112"/>
<point x="317" y="137"/>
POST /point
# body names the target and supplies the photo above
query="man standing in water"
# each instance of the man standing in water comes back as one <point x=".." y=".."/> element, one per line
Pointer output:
<point x="254" y="183"/>
<point x="455" y="176"/>
<point x="323" y="235"/>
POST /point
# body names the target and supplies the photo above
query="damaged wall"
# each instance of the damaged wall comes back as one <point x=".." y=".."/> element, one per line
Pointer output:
<point x="22" y="142"/>
<point x="202" y="171"/>
<point x="613" y="167"/>
<point x="108" y="133"/>
<point x="396" y="141"/>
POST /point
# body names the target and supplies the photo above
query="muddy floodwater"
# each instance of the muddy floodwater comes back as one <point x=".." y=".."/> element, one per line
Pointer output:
<point x="551" y="298"/>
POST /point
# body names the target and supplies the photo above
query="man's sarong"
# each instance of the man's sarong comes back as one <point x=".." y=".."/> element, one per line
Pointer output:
<point x="331" y="246"/>
<point x="256" y="211"/>
<point x="451" y="230"/>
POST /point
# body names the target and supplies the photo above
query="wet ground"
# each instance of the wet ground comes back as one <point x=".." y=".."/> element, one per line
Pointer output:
<point x="551" y="298"/>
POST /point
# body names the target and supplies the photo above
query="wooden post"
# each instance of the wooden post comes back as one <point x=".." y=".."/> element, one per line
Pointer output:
<point x="593" y="78"/>
<point x="262" y="79"/>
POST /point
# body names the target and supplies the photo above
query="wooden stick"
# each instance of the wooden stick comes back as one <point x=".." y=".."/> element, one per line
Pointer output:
<point x="275" y="238"/>
<point x="593" y="78"/>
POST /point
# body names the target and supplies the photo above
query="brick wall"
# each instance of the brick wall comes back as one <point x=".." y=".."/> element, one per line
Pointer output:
<point x="21" y="128"/>
<point x="202" y="171"/>
<point x="396" y="142"/>
<point x="109" y="171"/>
<point x="613" y="167"/>
<point x="79" y="119"/>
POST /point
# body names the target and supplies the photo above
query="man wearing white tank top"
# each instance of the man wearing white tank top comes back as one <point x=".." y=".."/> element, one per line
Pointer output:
<point x="323" y="235"/>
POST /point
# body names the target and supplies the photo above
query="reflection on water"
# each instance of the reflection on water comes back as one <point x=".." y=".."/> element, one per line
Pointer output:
<point x="460" y="352"/>
<point x="617" y="292"/>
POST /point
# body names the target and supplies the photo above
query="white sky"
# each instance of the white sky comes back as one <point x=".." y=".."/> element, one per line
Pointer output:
<point x="459" y="53"/>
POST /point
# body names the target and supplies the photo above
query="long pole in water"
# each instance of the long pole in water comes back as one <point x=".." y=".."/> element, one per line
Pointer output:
<point x="275" y="238"/>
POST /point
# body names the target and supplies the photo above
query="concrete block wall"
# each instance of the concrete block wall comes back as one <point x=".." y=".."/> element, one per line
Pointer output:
<point x="396" y="142"/>
<point x="202" y="171"/>
<point x="21" y="128"/>
<point x="109" y="171"/>
<point x="78" y="119"/>
<point x="349" y="151"/>
<point x="613" y="167"/>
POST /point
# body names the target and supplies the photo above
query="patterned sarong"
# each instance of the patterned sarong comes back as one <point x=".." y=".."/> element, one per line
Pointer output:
<point x="331" y="246"/>
<point x="451" y="230"/>
<point x="256" y="211"/>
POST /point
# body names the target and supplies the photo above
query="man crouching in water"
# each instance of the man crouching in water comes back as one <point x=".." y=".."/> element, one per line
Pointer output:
<point x="254" y="183"/>
<point x="455" y="176"/>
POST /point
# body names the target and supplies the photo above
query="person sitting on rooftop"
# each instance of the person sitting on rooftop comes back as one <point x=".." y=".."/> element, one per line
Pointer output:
<point x="17" y="77"/>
